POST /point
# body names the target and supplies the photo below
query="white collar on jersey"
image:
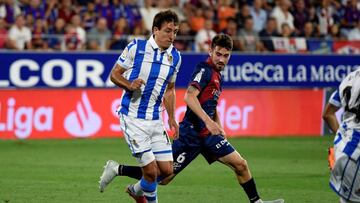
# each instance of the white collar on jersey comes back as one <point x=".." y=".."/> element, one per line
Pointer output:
<point x="155" y="46"/>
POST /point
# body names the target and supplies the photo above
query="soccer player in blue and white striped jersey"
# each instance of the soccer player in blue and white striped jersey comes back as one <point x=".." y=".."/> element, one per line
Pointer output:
<point x="345" y="174"/>
<point x="200" y="130"/>
<point x="147" y="71"/>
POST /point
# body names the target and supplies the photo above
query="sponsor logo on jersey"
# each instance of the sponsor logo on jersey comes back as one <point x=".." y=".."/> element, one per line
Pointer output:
<point x="199" y="76"/>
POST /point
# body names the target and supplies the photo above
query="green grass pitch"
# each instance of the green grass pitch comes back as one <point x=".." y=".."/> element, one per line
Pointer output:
<point x="68" y="171"/>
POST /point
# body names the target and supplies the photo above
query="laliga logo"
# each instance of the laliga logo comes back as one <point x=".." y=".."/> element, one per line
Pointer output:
<point x="83" y="122"/>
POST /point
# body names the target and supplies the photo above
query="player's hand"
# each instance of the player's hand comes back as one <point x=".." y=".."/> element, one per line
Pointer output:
<point x="136" y="84"/>
<point x="174" y="126"/>
<point x="214" y="128"/>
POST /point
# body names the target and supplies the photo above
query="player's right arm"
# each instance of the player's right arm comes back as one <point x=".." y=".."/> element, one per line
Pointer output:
<point x="331" y="108"/>
<point x="330" y="117"/>
<point x="125" y="62"/>
<point x="118" y="79"/>
<point x="193" y="103"/>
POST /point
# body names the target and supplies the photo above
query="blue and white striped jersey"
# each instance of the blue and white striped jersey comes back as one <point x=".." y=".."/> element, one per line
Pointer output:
<point x="347" y="96"/>
<point x="144" y="59"/>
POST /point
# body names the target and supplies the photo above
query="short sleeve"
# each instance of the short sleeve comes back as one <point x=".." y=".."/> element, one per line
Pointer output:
<point x="177" y="68"/>
<point x="200" y="77"/>
<point x="126" y="59"/>
<point x="335" y="99"/>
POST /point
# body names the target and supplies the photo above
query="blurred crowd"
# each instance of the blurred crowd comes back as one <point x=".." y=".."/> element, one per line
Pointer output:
<point x="111" y="24"/>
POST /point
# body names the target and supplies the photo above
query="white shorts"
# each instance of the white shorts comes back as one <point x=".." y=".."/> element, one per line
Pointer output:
<point x="147" y="139"/>
<point x="345" y="176"/>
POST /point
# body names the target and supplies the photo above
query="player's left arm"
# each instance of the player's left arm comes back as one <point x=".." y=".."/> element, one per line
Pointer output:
<point x="169" y="102"/>
<point x="330" y="117"/>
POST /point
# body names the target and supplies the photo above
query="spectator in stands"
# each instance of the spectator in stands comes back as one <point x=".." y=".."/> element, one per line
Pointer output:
<point x="19" y="35"/>
<point x="89" y="16"/>
<point x="259" y="15"/>
<point x="354" y="34"/>
<point x="2" y="9"/>
<point x="339" y="11"/>
<point x="209" y="13"/>
<point x="71" y="38"/>
<point x="35" y="9"/>
<point x="232" y="31"/>
<point x="119" y="38"/>
<point x="170" y="5"/>
<point x="352" y="13"/>
<point x="148" y="13"/>
<point x="80" y="31"/>
<point x="38" y="35"/>
<point x="240" y="16"/>
<point x="282" y="15"/>
<point x="117" y="9"/>
<point x="138" y="33"/>
<point x="325" y="14"/>
<point x="29" y="21"/>
<point x="9" y="10"/>
<point x="212" y="4"/>
<point x="286" y="31"/>
<point x="204" y="36"/>
<point x="131" y="12"/>
<point x="313" y="17"/>
<point x="301" y="16"/>
<point x="197" y="20"/>
<point x="184" y="40"/>
<point x="249" y="39"/>
<point x="308" y="31"/>
<point x="269" y="31"/>
<point x="187" y="8"/>
<point x="3" y="33"/>
<point x="241" y="3"/>
<point x="351" y="17"/>
<point x="66" y="10"/>
<point x="51" y="13"/>
<point x="99" y="36"/>
<point x="106" y="10"/>
<point x="334" y="33"/>
<point x="268" y="6"/>
<point x="226" y="10"/>
<point x="55" y="38"/>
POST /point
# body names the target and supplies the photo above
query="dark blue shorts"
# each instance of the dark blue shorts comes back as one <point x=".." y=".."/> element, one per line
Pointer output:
<point x="189" y="145"/>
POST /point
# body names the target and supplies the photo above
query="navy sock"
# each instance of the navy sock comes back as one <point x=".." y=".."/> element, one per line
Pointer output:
<point x="250" y="190"/>
<point x="130" y="171"/>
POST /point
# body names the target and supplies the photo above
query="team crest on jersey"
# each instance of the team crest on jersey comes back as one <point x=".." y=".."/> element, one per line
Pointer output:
<point x="170" y="59"/>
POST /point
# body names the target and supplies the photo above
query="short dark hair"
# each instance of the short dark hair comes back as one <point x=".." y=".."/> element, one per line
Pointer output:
<point x="165" y="16"/>
<point x="222" y="40"/>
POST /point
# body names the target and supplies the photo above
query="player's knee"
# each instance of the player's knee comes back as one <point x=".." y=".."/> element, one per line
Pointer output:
<point x="241" y="166"/>
<point x="166" y="171"/>
<point x="150" y="172"/>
